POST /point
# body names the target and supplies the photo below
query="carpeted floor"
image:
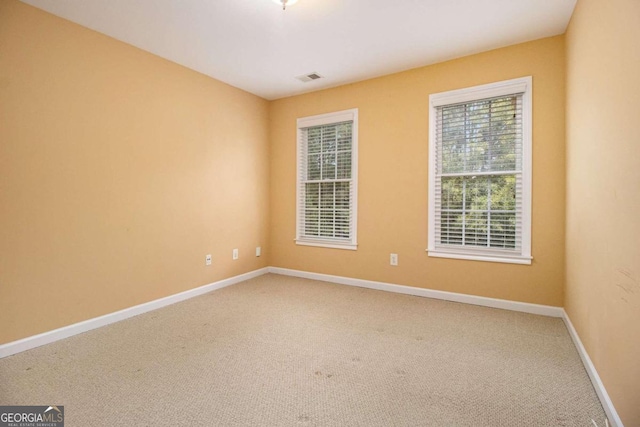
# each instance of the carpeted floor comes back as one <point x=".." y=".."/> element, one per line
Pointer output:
<point x="283" y="351"/>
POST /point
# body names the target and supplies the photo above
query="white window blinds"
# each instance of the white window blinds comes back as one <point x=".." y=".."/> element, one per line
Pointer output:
<point x="327" y="149"/>
<point x="478" y="182"/>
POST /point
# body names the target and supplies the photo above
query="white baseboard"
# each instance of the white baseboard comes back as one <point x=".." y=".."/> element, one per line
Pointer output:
<point x="607" y="404"/>
<point x="544" y="310"/>
<point x="87" y="325"/>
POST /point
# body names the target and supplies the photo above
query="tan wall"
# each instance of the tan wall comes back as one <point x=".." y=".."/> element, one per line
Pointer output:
<point x="392" y="204"/>
<point x="119" y="171"/>
<point x="603" y="193"/>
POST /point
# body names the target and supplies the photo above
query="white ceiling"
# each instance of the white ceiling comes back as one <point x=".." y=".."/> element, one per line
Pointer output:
<point x="258" y="47"/>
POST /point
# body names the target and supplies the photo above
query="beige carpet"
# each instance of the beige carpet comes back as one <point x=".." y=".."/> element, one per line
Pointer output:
<point x="282" y="351"/>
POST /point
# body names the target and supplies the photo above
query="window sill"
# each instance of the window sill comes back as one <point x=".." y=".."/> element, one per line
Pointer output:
<point x="327" y="244"/>
<point x="479" y="257"/>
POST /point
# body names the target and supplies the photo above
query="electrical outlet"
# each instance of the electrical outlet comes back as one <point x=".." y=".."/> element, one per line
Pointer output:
<point x="393" y="259"/>
<point x="235" y="254"/>
<point x="207" y="260"/>
<point x="258" y="251"/>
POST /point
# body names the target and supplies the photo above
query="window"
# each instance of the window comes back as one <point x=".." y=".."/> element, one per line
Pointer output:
<point x="327" y="180"/>
<point x="480" y="173"/>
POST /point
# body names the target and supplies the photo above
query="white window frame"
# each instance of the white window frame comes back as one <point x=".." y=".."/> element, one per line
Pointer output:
<point x="520" y="85"/>
<point x="320" y="120"/>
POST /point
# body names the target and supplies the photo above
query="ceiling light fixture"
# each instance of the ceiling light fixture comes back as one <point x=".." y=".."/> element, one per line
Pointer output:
<point x="285" y="3"/>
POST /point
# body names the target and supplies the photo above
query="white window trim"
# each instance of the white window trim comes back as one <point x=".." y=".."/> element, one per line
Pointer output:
<point x="507" y="87"/>
<point x="319" y="120"/>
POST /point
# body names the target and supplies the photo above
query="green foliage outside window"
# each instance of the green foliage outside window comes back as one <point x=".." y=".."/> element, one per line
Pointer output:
<point x="479" y="166"/>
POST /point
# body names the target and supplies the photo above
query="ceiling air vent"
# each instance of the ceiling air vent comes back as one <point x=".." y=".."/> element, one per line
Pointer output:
<point x="309" y="77"/>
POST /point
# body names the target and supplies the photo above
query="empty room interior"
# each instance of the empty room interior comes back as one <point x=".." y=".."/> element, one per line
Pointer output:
<point x="320" y="212"/>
